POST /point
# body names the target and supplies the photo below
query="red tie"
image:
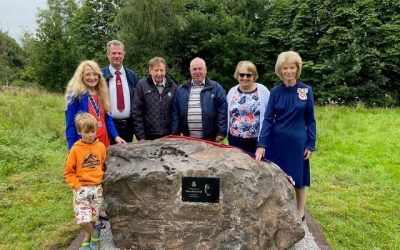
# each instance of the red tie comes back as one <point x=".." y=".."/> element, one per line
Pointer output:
<point x="120" y="92"/>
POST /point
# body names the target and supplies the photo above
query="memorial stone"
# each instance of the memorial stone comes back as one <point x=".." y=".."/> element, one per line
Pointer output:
<point x="145" y="189"/>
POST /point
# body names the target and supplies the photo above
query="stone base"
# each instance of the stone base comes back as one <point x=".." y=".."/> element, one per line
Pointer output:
<point x="143" y="195"/>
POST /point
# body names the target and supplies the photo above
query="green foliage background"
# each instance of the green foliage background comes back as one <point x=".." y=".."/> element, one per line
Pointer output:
<point x="351" y="49"/>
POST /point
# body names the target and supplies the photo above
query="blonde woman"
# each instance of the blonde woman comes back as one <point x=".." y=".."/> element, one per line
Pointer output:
<point x="289" y="130"/>
<point x="88" y="92"/>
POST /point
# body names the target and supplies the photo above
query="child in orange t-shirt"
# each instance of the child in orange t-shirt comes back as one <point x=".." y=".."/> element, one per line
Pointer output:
<point x="84" y="171"/>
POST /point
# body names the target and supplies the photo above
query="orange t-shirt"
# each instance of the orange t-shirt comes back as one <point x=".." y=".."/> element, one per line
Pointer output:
<point x="101" y="132"/>
<point x="85" y="164"/>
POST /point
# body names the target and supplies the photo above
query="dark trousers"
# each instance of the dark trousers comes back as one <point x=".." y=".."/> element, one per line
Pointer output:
<point x="124" y="128"/>
<point x="153" y="137"/>
<point x="248" y="145"/>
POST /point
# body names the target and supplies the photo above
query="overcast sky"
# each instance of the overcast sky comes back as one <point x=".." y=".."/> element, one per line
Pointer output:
<point x="17" y="16"/>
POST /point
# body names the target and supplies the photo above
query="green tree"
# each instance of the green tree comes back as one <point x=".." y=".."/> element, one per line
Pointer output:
<point x="221" y="32"/>
<point x="275" y="37"/>
<point x="146" y="28"/>
<point x="29" y="45"/>
<point x="348" y="48"/>
<point x="92" y="26"/>
<point x="11" y="59"/>
<point x="357" y="54"/>
<point x="221" y="35"/>
<point x="53" y="57"/>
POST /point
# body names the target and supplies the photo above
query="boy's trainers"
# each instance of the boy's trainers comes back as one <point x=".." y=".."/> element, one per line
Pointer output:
<point x="96" y="232"/>
<point x="85" y="245"/>
<point x="95" y="243"/>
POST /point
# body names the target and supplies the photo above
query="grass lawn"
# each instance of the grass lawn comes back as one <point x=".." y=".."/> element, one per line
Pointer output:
<point x="35" y="204"/>
<point x="355" y="192"/>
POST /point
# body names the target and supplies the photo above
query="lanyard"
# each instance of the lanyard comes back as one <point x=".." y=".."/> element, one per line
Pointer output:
<point x="95" y="107"/>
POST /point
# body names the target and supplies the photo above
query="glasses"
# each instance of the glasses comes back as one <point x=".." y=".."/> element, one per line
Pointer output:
<point x="248" y="75"/>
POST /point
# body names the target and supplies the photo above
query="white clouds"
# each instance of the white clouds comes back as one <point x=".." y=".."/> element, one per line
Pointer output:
<point x="17" y="16"/>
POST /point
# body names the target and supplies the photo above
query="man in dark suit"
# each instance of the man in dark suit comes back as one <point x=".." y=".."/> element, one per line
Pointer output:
<point x="121" y="83"/>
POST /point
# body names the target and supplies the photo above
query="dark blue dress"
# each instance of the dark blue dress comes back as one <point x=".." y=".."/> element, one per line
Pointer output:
<point x="288" y="129"/>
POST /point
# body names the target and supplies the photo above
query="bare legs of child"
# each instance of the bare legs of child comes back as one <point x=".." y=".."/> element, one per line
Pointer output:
<point x="92" y="237"/>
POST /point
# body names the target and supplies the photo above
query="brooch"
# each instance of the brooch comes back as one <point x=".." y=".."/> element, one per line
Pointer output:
<point x="302" y="92"/>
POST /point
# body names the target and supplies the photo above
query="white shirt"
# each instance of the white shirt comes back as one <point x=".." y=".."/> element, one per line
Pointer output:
<point x="163" y="82"/>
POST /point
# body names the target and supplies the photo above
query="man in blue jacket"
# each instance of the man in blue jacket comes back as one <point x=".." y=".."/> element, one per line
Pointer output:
<point x="121" y="83"/>
<point x="200" y="107"/>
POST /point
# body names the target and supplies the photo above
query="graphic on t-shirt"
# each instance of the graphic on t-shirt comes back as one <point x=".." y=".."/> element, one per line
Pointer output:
<point x="90" y="161"/>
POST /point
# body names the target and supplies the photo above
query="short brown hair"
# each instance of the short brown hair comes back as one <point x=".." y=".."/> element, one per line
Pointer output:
<point x="115" y="43"/>
<point x="85" y="122"/>
<point x="249" y="66"/>
<point x="156" y="60"/>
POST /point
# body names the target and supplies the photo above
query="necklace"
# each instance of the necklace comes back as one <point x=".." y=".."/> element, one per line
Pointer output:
<point x="96" y="109"/>
<point x="248" y="90"/>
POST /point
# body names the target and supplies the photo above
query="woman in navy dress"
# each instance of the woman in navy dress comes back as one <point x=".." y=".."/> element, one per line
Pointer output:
<point x="288" y="133"/>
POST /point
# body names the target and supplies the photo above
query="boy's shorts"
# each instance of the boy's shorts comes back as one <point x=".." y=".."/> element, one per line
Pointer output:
<point x="87" y="203"/>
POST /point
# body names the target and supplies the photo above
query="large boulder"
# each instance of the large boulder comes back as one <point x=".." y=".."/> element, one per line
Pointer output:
<point x="143" y="196"/>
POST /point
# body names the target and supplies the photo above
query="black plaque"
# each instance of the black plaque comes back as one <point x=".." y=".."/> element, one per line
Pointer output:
<point x="200" y="189"/>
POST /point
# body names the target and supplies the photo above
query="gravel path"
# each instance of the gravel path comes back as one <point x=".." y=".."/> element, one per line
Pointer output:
<point x="307" y="243"/>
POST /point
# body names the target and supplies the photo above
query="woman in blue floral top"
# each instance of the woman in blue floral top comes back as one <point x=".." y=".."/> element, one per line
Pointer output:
<point x="247" y="103"/>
